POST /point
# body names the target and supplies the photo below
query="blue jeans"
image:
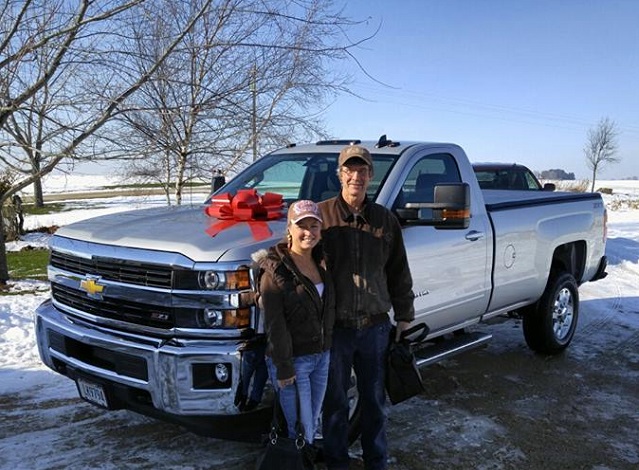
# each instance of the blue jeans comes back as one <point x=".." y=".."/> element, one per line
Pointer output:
<point x="311" y="372"/>
<point x="365" y="351"/>
<point x="254" y="367"/>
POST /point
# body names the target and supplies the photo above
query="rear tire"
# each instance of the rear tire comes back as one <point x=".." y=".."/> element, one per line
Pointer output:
<point x="550" y="324"/>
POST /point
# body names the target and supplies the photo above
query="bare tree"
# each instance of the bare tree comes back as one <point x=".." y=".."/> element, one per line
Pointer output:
<point x="601" y="147"/>
<point x="67" y="34"/>
<point x="48" y="117"/>
<point x="249" y="77"/>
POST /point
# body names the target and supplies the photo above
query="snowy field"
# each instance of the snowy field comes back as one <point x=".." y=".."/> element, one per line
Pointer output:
<point x="62" y="419"/>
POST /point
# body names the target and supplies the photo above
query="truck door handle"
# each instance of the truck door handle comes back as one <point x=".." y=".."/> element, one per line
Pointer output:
<point x="474" y="235"/>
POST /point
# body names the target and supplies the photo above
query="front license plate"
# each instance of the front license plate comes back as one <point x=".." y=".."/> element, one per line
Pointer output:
<point x="92" y="392"/>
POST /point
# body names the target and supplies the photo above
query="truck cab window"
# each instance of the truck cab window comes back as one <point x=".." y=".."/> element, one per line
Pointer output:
<point x="419" y="186"/>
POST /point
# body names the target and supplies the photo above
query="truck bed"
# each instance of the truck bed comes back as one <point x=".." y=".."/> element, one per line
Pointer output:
<point x="530" y="228"/>
<point x="503" y="199"/>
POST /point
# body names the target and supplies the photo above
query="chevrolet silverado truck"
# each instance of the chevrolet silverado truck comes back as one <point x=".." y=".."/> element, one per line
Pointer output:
<point x="153" y="310"/>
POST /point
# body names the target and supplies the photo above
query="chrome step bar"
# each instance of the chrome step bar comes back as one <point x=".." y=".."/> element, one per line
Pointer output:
<point x="431" y="353"/>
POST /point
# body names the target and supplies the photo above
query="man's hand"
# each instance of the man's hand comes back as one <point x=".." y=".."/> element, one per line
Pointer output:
<point x="401" y="326"/>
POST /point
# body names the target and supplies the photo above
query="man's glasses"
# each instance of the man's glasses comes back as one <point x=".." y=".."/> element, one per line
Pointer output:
<point x="351" y="170"/>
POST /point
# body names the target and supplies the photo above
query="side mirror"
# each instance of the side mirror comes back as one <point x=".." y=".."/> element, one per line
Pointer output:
<point x="450" y="209"/>
<point x="549" y="187"/>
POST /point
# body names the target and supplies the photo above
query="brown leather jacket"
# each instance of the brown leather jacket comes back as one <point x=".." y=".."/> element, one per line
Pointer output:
<point x="297" y="320"/>
<point x="367" y="259"/>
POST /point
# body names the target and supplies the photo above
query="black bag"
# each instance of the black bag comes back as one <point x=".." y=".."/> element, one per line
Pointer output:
<point x="284" y="453"/>
<point x="403" y="379"/>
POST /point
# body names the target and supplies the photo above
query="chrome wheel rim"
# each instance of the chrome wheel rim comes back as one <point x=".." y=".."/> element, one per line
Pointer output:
<point x="562" y="314"/>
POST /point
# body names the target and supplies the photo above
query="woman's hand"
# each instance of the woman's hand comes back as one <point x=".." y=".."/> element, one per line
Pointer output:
<point x="286" y="382"/>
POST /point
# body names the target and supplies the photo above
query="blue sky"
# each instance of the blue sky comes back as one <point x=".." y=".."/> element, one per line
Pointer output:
<point x="518" y="80"/>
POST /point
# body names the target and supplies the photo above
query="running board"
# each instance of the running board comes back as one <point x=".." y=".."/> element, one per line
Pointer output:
<point x="431" y="354"/>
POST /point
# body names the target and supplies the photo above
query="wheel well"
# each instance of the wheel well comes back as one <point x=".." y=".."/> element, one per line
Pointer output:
<point x="571" y="258"/>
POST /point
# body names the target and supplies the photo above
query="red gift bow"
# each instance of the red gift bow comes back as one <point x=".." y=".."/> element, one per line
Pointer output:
<point x="246" y="206"/>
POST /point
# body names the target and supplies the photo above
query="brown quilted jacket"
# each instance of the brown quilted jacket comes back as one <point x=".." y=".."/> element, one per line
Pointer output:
<point x="296" y="319"/>
<point x="367" y="259"/>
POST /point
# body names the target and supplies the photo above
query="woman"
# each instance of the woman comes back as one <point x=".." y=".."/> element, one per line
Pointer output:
<point x="299" y="310"/>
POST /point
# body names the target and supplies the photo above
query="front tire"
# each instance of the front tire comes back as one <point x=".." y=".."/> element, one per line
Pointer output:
<point x="354" y="411"/>
<point x="550" y="324"/>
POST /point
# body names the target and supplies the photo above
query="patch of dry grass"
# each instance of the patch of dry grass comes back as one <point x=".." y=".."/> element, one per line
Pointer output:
<point x="573" y="186"/>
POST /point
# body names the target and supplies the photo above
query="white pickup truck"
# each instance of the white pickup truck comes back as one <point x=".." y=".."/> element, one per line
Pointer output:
<point x="152" y="310"/>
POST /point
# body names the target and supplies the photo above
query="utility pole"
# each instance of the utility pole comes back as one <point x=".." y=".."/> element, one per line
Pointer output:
<point x="254" y="111"/>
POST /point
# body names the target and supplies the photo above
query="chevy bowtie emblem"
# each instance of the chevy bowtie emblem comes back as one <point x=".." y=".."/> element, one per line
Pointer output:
<point x="91" y="287"/>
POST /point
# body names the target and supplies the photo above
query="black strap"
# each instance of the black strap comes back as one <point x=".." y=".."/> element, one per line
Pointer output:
<point x="277" y="411"/>
<point x="414" y="329"/>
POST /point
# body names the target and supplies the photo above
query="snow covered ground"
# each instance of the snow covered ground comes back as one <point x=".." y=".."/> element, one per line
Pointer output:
<point x="45" y="425"/>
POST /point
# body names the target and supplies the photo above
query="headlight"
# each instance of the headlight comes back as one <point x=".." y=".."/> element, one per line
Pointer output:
<point x="209" y="279"/>
<point x="236" y="318"/>
<point x="224" y="280"/>
<point x="213" y="318"/>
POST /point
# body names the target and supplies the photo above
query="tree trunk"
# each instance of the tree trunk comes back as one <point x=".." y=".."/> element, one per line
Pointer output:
<point x="178" y="193"/>
<point x="38" y="197"/>
<point x="594" y="175"/>
<point x="179" y="177"/>
<point x="167" y="178"/>
<point x="4" y="268"/>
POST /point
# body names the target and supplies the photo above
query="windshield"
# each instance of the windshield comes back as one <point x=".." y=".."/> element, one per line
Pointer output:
<point x="302" y="176"/>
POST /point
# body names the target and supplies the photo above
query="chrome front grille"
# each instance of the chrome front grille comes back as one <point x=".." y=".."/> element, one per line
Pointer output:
<point x="129" y="272"/>
<point x="117" y="309"/>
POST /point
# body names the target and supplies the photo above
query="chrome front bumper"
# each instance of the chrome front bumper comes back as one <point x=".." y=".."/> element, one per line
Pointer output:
<point x="169" y="376"/>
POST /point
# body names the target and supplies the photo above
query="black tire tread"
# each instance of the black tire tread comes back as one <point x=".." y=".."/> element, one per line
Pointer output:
<point x="537" y="318"/>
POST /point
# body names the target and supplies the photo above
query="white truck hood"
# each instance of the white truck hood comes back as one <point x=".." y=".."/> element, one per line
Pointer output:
<point x="181" y="230"/>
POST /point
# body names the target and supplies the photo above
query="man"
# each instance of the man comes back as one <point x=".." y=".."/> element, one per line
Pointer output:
<point x="366" y="255"/>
